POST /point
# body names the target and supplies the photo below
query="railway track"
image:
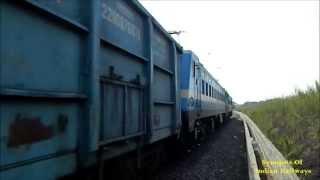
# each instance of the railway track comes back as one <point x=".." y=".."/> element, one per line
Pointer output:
<point x="233" y="151"/>
<point x="222" y="156"/>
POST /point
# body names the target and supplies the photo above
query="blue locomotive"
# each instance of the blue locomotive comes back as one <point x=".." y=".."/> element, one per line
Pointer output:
<point x="204" y="102"/>
<point x="81" y="83"/>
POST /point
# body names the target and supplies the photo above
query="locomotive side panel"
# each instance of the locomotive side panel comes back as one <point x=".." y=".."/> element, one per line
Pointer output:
<point x="202" y="97"/>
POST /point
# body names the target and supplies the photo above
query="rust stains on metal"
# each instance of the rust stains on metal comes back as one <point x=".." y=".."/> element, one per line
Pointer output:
<point x="28" y="130"/>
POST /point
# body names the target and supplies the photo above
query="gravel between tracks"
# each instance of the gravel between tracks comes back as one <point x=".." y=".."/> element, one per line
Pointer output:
<point x="222" y="156"/>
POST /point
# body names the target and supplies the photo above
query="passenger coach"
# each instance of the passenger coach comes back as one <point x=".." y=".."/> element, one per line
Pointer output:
<point x="204" y="102"/>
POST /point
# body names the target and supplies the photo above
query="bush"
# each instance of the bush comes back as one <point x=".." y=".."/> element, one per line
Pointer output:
<point x="292" y="123"/>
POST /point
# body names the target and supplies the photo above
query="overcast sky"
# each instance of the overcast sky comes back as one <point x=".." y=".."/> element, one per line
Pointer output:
<point x="256" y="49"/>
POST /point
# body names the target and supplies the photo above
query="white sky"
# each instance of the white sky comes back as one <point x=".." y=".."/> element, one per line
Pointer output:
<point x="256" y="49"/>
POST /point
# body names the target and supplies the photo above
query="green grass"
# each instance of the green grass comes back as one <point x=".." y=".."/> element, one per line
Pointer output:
<point x="292" y="123"/>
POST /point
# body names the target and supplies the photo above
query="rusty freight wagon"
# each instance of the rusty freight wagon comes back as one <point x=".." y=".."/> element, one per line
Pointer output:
<point x="82" y="81"/>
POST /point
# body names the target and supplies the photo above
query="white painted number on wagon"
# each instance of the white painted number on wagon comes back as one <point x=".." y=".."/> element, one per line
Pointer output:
<point x="120" y="21"/>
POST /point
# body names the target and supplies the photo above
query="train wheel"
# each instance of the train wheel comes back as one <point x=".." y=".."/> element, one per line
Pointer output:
<point x="213" y="125"/>
<point x="200" y="132"/>
<point x="221" y="119"/>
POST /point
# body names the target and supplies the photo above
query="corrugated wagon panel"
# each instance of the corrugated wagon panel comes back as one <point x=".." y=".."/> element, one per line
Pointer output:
<point x="163" y="86"/>
<point x="33" y="129"/>
<point x="135" y="121"/>
<point x="70" y="9"/>
<point x="37" y="54"/>
<point x="47" y="169"/>
<point x="161" y="51"/>
<point x="123" y="26"/>
<point x="41" y="85"/>
<point x="113" y="111"/>
<point x="123" y="80"/>
<point x="123" y="65"/>
<point x="165" y="119"/>
<point x="79" y="76"/>
<point x="162" y="116"/>
<point x="116" y="62"/>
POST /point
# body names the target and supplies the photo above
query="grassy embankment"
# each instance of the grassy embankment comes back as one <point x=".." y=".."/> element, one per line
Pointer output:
<point x="292" y="123"/>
